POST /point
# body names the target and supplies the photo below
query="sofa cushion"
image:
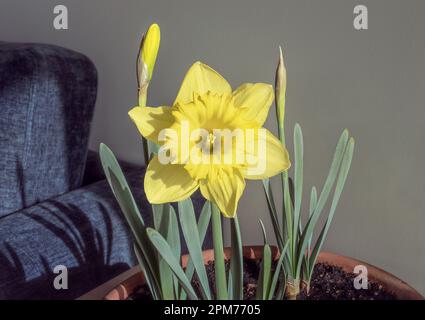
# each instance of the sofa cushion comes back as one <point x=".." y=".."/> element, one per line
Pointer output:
<point x="47" y="97"/>
<point x="83" y="230"/>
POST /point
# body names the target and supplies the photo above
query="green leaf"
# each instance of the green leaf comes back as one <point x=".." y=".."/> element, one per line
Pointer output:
<point x="220" y="271"/>
<point x="150" y="148"/>
<point x="128" y="206"/>
<point x="174" y="234"/>
<point x="298" y="182"/>
<point x="191" y="235"/>
<point x="145" y="271"/>
<point x="230" y="285"/>
<point x="330" y="180"/>
<point x="236" y="261"/>
<point x="287" y="222"/>
<point x="282" y="287"/>
<point x="166" y="279"/>
<point x="263" y="287"/>
<point x="167" y="254"/>
<point x="161" y="218"/>
<point x="162" y="223"/>
<point x="277" y="272"/>
<point x="175" y="244"/>
<point x="153" y="148"/>
<point x="342" y="177"/>
<point x="263" y="230"/>
<point x="203" y="223"/>
<point x="273" y="213"/>
<point x="313" y="203"/>
<point x="110" y="164"/>
<point x="139" y="232"/>
<point x="306" y="271"/>
<point x="306" y="263"/>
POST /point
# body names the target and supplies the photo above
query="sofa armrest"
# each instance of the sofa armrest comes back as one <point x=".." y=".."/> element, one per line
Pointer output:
<point x="47" y="98"/>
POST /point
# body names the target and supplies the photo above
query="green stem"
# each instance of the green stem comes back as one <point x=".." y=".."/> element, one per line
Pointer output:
<point x="281" y="131"/>
<point x="287" y="227"/>
<point x="288" y="219"/>
<point x="236" y="262"/>
<point x="220" y="272"/>
<point x="145" y="150"/>
<point x="286" y="208"/>
<point x="143" y="96"/>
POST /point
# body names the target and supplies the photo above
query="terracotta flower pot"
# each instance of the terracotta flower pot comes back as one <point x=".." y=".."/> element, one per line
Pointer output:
<point x="391" y="283"/>
<point x="401" y="289"/>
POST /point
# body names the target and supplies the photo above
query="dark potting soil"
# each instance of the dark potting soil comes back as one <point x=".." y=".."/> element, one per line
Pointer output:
<point x="333" y="283"/>
<point x="328" y="283"/>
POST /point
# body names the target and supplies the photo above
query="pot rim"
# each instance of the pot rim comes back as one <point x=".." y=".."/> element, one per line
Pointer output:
<point x="391" y="283"/>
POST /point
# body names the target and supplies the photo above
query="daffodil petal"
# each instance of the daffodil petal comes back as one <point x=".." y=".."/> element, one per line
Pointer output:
<point x="200" y="79"/>
<point x="167" y="182"/>
<point x="264" y="155"/>
<point x="224" y="189"/>
<point x="255" y="99"/>
<point x="150" y="121"/>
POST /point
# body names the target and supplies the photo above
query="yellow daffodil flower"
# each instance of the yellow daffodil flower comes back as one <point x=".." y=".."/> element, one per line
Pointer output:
<point x="206" y="101"/>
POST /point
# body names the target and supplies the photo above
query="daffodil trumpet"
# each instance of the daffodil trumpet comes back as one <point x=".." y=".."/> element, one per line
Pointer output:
<point x="205" y="104"/>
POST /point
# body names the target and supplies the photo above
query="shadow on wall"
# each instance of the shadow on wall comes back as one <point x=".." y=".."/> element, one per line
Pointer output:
<point x="83" y="242"/>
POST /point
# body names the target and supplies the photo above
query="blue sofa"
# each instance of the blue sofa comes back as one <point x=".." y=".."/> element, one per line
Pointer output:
<point x="56" y="207"/>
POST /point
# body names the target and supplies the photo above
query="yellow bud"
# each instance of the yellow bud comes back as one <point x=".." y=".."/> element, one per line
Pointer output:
<point x="148" y="53"/>
<point x="280" y="90"/>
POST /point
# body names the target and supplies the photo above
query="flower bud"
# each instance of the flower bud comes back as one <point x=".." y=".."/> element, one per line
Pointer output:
<point x="280" y="90"/>
<point x="147" y="55"/>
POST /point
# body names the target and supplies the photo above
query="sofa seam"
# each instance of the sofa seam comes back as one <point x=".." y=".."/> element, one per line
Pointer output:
<point x="31" y="107"/>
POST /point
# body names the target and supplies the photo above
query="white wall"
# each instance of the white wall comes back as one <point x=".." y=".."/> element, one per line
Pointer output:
<point x="372" y="82"/>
